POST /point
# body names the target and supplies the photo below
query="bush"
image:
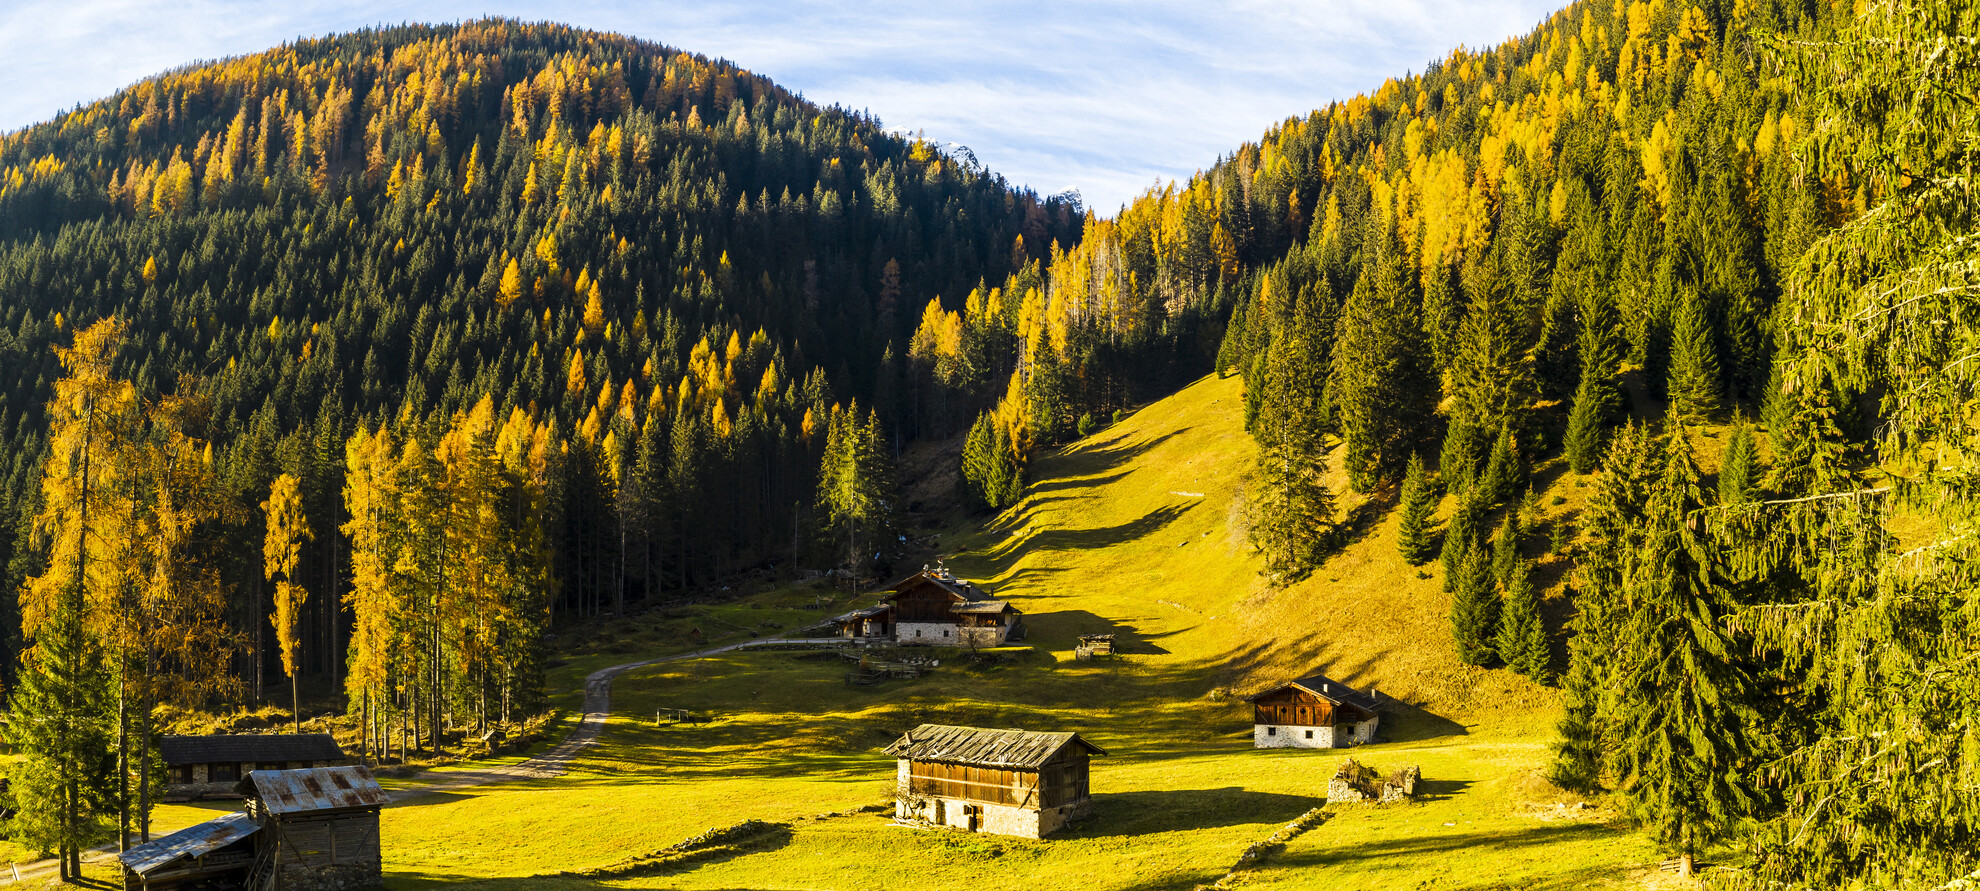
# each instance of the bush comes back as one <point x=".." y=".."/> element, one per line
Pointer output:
<point x="1086" y="425"/>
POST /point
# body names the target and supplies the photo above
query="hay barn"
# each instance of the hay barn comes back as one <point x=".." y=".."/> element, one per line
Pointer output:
<point x="1009" y="782"/>
<point x="1313" y="713"/>
<point x="319" y="827"/>
<point x="934" y="607"/>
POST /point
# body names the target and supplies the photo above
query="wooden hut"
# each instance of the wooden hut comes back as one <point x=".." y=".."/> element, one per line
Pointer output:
<point x="319" y="827"/>
<point x="1010" y="782"/>
<point x="1313" y="713"/>
<point x="212" y="766"/>
<point x="215" y="854"/>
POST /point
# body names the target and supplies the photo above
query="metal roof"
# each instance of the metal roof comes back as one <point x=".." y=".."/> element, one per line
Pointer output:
<point x="866" y="613"/>
<point x="313" y="789"/>
<point x="192" y="841"/>
<point x="255" y="747"/>
<point x="1329" y="689"/>
<point x="984" y="606"/>
<point x="984" y="747"/>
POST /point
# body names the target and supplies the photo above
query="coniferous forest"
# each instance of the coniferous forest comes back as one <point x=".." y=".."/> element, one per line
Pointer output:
<point x="374" y="358"/>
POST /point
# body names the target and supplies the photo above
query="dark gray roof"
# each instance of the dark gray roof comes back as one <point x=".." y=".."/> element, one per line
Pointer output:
<point x="191" y="841"/>
<point x="981" y="606"/>
<point x="866" y="613"/>
<point x="947" y="581"/>
<point x="259" y="748"/>
<point x="313" y="789"/>
<point x="984" y="747"/>
<point x="1329" y="689"/>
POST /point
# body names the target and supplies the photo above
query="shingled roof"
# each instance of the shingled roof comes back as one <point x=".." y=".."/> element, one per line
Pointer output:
<point x="313" y="789"/>
<point x="259" y="748"/>
<point x="1329" y="689"/>
<point x="983" y="747"/>
<point x="947" y="581"/>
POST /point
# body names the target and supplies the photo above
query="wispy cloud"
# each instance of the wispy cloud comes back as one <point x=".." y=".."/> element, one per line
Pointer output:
<point x="1106" y="97"/>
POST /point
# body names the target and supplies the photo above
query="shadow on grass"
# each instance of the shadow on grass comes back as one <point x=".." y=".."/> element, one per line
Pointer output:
<point x="1403" y="849"/>
<point x="1094" y="539"/>
<point x="1141" y="813"/>
<point x="1069" y="624"/>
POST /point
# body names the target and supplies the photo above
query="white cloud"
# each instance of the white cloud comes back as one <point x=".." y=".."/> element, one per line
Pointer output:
<point x="1108" y="96"/>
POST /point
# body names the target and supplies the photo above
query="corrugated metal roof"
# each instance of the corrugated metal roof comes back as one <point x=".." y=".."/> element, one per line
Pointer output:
<point x="191" y="841"/>
<point x="314" y="789"/>
<point x="1329" y="689"/>
<point x="255" y="747"/>
<point x="987" y="606"/>
<point x="984" y="747"/>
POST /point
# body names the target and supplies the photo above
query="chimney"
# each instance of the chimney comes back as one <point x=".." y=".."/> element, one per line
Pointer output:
<point x="1323" y="688"/>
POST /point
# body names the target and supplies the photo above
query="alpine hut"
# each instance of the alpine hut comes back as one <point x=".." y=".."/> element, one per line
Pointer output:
<point x="1010" y="782"/>
<point x="212" y="766"/>
<point x="934" y="607"/>
<point x="1313" y="713"/>
<point x="319" y="827"/>
<point x="214" y="854"/>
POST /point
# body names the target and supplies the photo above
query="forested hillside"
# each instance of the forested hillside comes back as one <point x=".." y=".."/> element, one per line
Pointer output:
<point x="672" y="268"/>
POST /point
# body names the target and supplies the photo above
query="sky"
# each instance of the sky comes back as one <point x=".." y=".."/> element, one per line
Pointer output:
<point x="1109" y="98"/>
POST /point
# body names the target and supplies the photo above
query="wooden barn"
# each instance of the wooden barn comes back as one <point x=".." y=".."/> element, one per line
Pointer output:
<point x="319" y="827"/>
<point x="314" y="829"/>
<point x="1313" y="713"/>
<point x="1009" y="782"/>
<point x="934" y="607"/>
<point x="212" y="766"/>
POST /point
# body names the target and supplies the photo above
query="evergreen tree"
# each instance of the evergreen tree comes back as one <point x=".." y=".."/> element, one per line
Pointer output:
<point x="1380" y="383"/>
<point x="61" y="724"/>
<point x="1475" y="609"/>
<point x="1505" y="472"/>
<point x="1464" y="533"/>
<point x="1419" y="504"/>
<point x="1522" y="640"/>
<point x="1295" y="507"/>
<point x="1694" y="383"/>
<point x="1736" y="470"/>
<point x="1587" y="428"/>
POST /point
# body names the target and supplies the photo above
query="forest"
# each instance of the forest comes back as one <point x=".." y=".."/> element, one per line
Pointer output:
<point x="471" y="330"/>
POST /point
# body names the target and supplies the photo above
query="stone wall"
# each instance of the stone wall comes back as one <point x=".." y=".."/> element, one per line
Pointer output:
<point x="1291" y="736"/>
<point x="997" y="819"/>
<point x="341" y="877"/>
<point x="936" y="633"/>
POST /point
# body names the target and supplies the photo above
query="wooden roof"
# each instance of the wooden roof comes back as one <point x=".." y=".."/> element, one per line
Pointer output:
<point x="982" y="606"/>
<point x="983" y="747"/>
<point x="191" y="841"/>
<point x="1326" y="688"/>
<point x="259" y="748"/>
<point x="313" y="789"/>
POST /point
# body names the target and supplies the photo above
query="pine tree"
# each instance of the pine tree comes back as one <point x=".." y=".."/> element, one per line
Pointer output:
<point x="1380" y="383"/>
<point x="1294" y="505"/>
<point x="1587" y="429"/>
<point x="1685" y="720"/>
<point x="1506" y="561"/>
<point x="1419" y="503"/>
<point x="1475" y="609"/>
<point x="1736" y="471"/>
<point x="1694" y="375"/>
<point x="1522" y="640"/>
<point x="1463" y="534"/>
<point x="1505" y="472"/>
<point x="60" y="723"/>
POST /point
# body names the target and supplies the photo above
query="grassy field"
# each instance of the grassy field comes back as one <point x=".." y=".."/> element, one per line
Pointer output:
<point x="1137" y="531"/>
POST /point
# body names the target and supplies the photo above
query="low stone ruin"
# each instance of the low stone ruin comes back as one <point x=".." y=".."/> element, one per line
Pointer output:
<point x="1357" y="783"/>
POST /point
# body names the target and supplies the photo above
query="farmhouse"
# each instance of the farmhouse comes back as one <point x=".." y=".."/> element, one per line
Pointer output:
<point x="934" y="607"/>
<point x="314" y="829"/>
<point x="1313" y="713"/>
<point x="1010" y="782"/>
<point x="210" y="766"/>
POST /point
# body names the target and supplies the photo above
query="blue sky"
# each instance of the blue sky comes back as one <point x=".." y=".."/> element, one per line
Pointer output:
<point x="1105" y="97"/>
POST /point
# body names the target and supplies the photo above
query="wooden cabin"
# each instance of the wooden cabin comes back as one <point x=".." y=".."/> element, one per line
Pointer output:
<point x="1009" y="782"/>
<point x="319" y="827"/>
<point x="212" y="766"/>
<point x="1313" y="713"/>
<point x="934" y="607"/>
<point x="215" y="854"/>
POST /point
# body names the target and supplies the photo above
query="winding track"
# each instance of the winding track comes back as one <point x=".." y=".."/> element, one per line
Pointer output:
<point x="552" y="763"/>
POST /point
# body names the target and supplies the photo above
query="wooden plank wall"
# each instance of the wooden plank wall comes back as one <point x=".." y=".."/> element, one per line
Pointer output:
<point x="331" y="840"/>
<point x="1060" y="782"/>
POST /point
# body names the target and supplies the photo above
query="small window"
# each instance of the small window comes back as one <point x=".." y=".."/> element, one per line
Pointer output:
<point x="1271" y="731"/>
<point x="1309" y="734"/>
<point x="224" y="773"/>
<point x="945" y="634"/>
<point x="182" y="773"/>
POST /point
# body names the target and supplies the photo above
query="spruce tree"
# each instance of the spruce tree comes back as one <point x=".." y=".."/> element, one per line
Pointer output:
<point x="1475" y="609"/>
<point x="1736" y="471"/>
<point x="1505" y="549"/>
<point x="61" y="724"/>
<point x="1505" y="472"/>
<point x="1522" y="640"/>
<point x="1463" y="534"/>
<point x="1380" y="386"/>
<point x="1694" y="372"/>
<point x="1587" y="428"/>
<point x="1419" y="504"/>
<point x="1295" y="506"/>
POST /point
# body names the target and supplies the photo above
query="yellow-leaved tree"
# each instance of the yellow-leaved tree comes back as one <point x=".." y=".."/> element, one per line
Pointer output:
<point x="281" y="548"/>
